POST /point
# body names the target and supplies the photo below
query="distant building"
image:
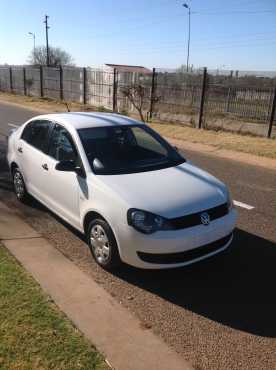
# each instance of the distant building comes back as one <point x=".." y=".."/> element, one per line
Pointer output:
<point x="128" y="68"/>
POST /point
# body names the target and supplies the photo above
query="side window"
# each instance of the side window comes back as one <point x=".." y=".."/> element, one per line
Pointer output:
<point x="61" y="145"/>
<point x="36" y="133"/>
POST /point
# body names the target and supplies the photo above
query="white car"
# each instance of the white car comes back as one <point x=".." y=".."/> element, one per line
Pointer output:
<point x="121" y="184"/>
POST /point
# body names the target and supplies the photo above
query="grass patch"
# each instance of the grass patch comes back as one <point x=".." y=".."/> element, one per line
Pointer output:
<point x="34" y="334"/>
<point x="220" y="139"/>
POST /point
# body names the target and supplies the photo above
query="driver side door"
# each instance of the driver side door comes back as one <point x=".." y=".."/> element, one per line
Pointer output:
<point x="63" y="188"/>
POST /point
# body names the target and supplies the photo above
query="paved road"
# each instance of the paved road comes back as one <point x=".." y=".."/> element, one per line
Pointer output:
<point x="219" y="314"/>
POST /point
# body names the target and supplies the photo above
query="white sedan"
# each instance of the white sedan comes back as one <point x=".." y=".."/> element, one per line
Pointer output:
<point x="120" y="183"/>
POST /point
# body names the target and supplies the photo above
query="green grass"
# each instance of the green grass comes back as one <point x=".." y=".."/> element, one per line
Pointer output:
<point x="34" y="334"/>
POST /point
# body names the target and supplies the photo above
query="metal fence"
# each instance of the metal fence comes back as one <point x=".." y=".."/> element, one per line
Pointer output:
<point x="198" y="98"/>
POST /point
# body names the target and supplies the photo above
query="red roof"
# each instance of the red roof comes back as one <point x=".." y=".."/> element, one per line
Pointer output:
<point x="127" y="68"/>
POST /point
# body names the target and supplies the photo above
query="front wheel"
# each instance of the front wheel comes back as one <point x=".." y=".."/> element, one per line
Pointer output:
<point x="103" y="245"/>
<point x="19" y="186"/>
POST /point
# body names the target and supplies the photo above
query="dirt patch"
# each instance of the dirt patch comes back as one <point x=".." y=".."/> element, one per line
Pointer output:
<point x="219" y="139"/>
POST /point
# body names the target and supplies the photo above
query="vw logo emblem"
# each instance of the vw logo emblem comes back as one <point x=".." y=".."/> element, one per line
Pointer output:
<point x="205" y="218"/>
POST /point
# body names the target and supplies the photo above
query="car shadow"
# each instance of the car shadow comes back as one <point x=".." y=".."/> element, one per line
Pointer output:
<point x="235" y="288"/>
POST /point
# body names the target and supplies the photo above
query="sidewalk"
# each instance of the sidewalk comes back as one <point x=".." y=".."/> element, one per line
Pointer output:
<point x="108" y="325"/>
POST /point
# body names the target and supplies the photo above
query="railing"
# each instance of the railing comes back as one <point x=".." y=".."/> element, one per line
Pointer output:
<point x="195" y="98"/>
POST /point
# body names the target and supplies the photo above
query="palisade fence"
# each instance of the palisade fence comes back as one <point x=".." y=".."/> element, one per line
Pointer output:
<point x="199" y="99"/>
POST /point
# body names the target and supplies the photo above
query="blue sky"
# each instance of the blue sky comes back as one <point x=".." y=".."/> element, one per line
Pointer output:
<point x="236" y="34"/>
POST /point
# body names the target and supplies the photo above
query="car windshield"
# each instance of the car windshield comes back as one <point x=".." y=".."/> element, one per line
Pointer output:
<point x="127" y="149"/>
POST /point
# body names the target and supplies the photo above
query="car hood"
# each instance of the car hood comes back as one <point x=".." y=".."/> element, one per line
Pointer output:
<point x="170" y="192"/>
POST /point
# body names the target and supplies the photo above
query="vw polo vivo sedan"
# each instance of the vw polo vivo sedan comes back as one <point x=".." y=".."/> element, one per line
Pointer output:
<point x="121" y="184"/>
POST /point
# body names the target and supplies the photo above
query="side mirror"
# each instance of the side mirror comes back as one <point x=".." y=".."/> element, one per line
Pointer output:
<point x="97" y="165"/>
<point x="69" y="166"/>
<point x="66" y="166"/>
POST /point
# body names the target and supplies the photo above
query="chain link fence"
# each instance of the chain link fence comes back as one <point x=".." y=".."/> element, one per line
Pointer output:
<point x="198" y="98"/>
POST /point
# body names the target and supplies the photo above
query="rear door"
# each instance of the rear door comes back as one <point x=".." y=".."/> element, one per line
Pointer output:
<point x="32" y="154"/>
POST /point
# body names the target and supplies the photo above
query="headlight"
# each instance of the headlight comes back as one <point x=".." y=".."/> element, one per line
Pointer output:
<point x="145" y="222"/>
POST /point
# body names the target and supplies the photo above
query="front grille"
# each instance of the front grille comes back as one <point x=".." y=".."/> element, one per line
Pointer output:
<point x="181" y="257"/>
<point x="194" y="219"/>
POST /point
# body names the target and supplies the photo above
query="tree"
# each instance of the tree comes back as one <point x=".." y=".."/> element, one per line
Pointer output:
<point x="136" y="95"/>
<point x="57" y="56"/>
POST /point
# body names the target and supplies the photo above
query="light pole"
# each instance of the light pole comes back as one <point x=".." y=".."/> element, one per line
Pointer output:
<point x="33" y="35"/>
<point x="189" y="35"/>
<point x="47" y="42"/>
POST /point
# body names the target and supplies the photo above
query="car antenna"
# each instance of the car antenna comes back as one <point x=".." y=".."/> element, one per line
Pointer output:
<point x="67" y="106"/>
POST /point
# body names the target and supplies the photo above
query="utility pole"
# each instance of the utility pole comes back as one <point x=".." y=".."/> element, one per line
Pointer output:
<point x="47" y="42"/>
<point x="189" y="35"/>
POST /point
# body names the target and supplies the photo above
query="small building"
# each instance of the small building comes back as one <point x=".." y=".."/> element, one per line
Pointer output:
<point x="100" y="84"/>
<point x="127" y="68"/>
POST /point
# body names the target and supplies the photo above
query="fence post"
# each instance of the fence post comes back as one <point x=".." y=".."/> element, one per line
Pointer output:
<point x="24" y="81"/>
<point x="272" y="114"/>
<point x="11" y="84"/>
<point x="84" y="83"/>
<point x="192" y="96"/>
<point x="115" y="86"/>
<point x="202" y="100"/>
<point x="228" y="100"/>
<point x="152" y="92"/>
<point x="61" y="82"/>
<point x="41" y="81"/>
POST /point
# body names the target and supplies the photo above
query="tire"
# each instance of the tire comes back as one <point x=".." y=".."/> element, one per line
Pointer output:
<point x="103" y="245"/>
<point x="19" y="185"/>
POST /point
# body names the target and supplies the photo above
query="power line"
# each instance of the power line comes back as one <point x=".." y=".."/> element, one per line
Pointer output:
<point x="233" y="12"/>
<point x="223" y="46"/>
<point x="203" y="41"/>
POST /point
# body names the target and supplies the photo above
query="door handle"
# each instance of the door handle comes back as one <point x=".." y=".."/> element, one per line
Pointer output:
<point x="45" y="166"/>
<point x="20" y="149"/>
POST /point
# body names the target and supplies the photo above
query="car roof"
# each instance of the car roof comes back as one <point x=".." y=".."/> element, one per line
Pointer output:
<point x="80" y="120"/>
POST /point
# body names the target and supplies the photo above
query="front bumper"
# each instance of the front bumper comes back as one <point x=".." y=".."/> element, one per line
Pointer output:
<point x="164" y="249"/>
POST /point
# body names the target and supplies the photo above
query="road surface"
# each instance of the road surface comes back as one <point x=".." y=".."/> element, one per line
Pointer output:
<point x="219" y="314"/>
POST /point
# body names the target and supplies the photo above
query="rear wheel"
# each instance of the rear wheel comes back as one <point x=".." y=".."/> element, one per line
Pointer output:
<point x="19" y="185"/>
<point x="103" y="245"/>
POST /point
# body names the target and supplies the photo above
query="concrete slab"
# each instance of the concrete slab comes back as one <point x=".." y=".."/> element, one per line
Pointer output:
<point x="13" y="227"/>
<point x="109" y="326"/>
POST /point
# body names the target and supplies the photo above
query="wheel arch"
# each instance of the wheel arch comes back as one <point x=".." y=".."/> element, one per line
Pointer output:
<point x="91" y="215"/>
<point x="13" y="165"/>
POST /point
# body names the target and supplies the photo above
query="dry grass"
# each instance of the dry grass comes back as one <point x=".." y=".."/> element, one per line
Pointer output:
<point x="219" y="139"/>
<point x="43" y="104"/>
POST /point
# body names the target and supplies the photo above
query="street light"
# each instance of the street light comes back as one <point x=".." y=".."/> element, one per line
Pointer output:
<point x="33" y="35"/>
<point x="189" y="34"/>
